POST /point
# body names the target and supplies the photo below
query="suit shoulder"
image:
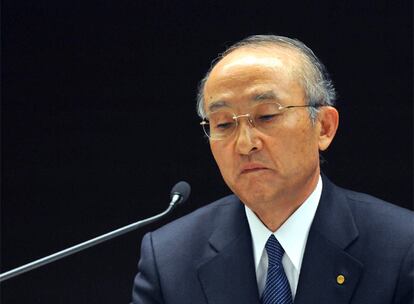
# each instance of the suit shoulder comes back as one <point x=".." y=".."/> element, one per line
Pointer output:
<point x="200" y="221"/>
<point x="184" y="240"/>
<point x="380" y="214"/>
<point x="369" y="201"/>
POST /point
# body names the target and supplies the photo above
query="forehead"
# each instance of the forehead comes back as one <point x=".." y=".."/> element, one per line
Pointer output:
<point x="250" y="72"/>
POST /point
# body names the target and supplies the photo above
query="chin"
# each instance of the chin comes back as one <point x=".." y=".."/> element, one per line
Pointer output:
<point x="255" y="192"/>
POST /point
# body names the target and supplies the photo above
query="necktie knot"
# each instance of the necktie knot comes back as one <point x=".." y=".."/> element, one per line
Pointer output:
<point x="274" y="251"/>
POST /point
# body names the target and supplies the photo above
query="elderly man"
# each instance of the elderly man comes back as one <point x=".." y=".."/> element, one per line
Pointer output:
<point x="287" y="234"/>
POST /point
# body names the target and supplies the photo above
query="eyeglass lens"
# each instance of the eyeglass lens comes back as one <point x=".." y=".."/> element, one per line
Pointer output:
<point x="223" y="123"/>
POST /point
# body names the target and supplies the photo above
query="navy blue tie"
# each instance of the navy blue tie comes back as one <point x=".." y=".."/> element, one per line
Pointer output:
<point x="277" y="289"/>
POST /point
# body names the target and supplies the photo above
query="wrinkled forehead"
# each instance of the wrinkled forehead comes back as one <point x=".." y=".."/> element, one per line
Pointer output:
<point x="248" y="63"/>
<point x="270" y="57"/>
<point x="251" y="72"/>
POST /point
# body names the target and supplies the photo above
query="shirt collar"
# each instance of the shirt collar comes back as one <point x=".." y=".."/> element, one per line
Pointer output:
<point x="292" y="235"/>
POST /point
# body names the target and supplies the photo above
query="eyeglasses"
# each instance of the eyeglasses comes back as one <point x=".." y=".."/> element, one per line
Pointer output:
<point x="222" y="124"/>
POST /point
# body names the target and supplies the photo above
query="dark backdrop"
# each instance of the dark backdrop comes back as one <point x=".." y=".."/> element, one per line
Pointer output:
<point x="98" y="120"/>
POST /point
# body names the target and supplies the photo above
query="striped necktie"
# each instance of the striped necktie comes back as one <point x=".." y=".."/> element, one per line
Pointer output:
<point x="277" y="289"/>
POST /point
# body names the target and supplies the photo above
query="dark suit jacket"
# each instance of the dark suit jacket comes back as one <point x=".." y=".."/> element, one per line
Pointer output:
<point x="207" y="256"/>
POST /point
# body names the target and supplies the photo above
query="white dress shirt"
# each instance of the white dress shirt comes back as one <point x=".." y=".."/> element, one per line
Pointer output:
<point x="292" y="236"/>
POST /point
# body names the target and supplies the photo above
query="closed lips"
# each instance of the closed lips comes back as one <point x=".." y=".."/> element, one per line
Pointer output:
<point x="252" y="167"/>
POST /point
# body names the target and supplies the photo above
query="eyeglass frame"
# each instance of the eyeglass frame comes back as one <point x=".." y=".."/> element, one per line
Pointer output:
<point x="251" y="120"/>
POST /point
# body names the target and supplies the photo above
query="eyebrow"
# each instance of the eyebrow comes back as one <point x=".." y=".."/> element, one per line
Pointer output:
<point x="264" y="96"/>
<point x="268" y="95"/>
<point x="215" y="105"/>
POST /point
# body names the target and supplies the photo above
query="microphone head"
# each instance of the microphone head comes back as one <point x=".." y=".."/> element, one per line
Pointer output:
<point x="183" y="190"/>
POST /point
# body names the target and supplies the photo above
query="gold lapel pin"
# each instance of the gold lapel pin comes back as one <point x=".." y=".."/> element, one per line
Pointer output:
<point x="340" y="279"/>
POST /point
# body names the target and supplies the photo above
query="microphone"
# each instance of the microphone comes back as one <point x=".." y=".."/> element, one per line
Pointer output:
<point x="179" y="194"/>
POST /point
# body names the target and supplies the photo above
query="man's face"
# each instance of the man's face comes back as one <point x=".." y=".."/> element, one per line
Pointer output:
<point x="281" y="166"/>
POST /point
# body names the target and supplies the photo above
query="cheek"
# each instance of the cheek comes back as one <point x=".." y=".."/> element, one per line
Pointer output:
<point x="297" y="141"/>
<point x="223" y="157"/>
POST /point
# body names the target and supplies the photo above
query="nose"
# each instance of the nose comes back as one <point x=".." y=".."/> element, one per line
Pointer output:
<point x="247" y="139"/>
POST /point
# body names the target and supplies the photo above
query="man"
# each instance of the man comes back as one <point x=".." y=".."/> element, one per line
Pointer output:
<point x="288" y="234"/>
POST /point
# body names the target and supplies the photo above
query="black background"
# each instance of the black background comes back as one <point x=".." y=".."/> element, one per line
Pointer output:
<point x="98" y="120"/>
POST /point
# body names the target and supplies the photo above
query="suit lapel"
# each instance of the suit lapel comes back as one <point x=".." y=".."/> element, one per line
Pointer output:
<point x="227" y="274"/>
<point x="329" y="274"/>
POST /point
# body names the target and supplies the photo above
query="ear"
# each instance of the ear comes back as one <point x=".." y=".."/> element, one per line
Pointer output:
<point x="328" y="118"/>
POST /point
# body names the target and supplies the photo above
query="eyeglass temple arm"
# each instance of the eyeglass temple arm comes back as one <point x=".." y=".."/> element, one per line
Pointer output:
<point x="302" y="106"/>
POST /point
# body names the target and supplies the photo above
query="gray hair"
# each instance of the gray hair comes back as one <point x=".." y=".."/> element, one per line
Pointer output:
<point x="313" y="75"/>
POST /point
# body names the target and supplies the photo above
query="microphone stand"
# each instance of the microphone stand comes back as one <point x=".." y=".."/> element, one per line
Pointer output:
<point x="176" y="199"/>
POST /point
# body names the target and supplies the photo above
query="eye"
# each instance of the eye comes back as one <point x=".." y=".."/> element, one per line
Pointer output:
<point x="267" y="117"/>
<point x="225" y="126"/>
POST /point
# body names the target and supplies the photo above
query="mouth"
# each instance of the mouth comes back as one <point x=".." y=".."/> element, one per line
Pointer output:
<point x="252" y="168"/>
